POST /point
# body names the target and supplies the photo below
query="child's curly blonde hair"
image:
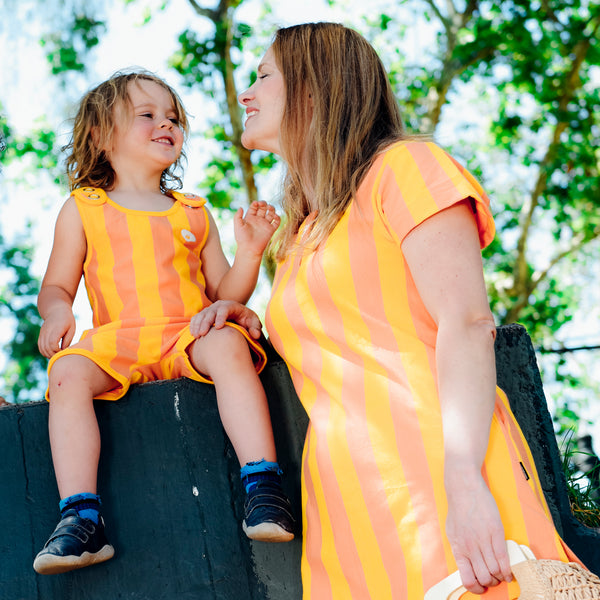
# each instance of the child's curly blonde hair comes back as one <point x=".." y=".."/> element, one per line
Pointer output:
<point x="87" y="163"/>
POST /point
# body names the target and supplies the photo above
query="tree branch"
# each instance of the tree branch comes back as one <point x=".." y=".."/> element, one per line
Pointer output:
<point x="443" y="20"/>
<point x="222" y="18"/>
<point x="209" y="13"/>
<point x="581" y="241"/>
<point x="523" y="285"/>
<point x="472" y="6"/>
<point x="566" y="349"/>
<point x="451" y="68"/>
<point x="235" y="115"/>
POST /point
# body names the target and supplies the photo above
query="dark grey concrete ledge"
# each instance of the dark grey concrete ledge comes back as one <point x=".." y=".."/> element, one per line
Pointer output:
<point x="173" y="502"/>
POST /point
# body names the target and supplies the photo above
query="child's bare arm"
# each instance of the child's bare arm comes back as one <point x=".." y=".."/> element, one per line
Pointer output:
<point x="61" y="281"/>
<point x="252" y="233"/>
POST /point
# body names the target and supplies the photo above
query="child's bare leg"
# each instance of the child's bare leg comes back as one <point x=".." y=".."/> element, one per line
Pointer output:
<point x="74" y="437"/>
<point x="224" y="356"/>
<point x="75" y="441"/>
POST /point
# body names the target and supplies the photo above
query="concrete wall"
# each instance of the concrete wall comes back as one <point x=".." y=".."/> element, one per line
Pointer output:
<point x="173" y="502"/>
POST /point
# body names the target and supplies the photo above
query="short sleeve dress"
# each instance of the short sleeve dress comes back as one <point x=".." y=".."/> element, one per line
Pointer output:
<point x="359" y="344"/>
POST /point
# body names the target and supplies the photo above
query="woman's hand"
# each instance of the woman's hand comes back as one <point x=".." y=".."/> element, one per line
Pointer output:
<point x="221" y="311"/>
<point x="475" y="533"/>
<point x="254" y="230"/>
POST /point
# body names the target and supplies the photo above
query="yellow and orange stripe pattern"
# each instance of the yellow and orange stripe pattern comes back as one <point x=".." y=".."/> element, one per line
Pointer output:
<point x="359" y="344"/>
<point x="144" y="280"/>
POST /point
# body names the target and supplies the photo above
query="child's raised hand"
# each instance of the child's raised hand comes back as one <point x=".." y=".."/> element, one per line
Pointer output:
<point x="254" y="230"/>
<point x="57" y="331"/>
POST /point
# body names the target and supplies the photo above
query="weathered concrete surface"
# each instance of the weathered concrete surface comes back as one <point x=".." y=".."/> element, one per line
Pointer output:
<point x="173" y="501"/>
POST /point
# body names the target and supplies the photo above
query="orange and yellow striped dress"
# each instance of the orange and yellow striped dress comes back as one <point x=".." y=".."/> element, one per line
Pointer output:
<point x="359" y="344"/>
<point x="144" y="280"/>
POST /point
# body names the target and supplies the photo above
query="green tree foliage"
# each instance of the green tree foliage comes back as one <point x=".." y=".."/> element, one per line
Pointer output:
<point x="25" y="367"/>
<point x="69" y="35"/>
<point x="66" y="49"/>
<point x="209" y="63"/>
<point x="25" y="370"/>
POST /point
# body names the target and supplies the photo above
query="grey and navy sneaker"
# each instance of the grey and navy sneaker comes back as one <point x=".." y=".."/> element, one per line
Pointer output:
<point x="76" y="542"/>
<point x="268" y="514"/>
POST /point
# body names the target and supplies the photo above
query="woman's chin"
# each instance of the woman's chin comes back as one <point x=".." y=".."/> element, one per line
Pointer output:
<point x="249" y="142"/>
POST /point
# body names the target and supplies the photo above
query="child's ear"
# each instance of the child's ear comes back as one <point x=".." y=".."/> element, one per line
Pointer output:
<point x="98" y="141"/>
<point x="95" y="136"/>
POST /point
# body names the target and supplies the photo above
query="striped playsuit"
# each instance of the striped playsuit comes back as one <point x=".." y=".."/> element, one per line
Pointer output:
<point x="144" y="280"/>
<point x="359" y="344"/>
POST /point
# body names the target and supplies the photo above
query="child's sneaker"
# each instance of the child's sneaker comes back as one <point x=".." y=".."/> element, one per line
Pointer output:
<point x="76" y="542"/>
<point x="268" y="514"/>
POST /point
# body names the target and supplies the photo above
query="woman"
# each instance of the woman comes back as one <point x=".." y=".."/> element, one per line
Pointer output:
<point x="413" y="465"/>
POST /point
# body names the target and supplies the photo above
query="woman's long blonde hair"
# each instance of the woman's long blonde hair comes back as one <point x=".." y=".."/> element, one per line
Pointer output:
<point x="340" y="112"/>
<point x="87" y="163"/>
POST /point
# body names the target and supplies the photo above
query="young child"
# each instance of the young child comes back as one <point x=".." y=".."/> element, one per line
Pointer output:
<point x="152" y="260"/>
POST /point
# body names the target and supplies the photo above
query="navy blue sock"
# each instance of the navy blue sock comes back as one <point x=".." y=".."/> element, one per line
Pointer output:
<point x="86" y="505"/>
<point x="262" y="470"/>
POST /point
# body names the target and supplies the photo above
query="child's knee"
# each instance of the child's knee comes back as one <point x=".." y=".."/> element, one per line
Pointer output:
<point x="231" y="340"/>
<point x="63" y="369"/>
<point x="72" y="371"/>
<point x="221" y="348"/>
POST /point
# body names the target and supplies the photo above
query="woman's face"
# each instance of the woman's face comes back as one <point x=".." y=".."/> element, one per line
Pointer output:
<point x="265" y="102"/>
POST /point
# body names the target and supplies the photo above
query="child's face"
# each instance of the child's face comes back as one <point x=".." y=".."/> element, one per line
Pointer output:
<point x="147" y="133"/>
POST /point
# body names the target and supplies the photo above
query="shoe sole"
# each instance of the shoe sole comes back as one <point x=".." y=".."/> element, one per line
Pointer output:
<point x="267" y="532"/>
<point x="50" y="564"/>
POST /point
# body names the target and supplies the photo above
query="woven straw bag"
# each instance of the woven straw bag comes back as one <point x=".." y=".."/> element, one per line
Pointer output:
<point x="541" y="579"/>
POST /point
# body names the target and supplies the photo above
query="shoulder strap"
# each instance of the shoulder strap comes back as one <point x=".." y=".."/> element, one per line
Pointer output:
<point x="189" y="199"/>
<point x="90" y="195"/>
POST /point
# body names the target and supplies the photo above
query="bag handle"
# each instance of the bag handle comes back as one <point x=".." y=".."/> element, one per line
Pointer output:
<point x="451" y="588"/>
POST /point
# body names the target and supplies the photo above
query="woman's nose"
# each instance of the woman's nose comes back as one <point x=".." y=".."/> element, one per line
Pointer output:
<point x="245" y="96"/>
